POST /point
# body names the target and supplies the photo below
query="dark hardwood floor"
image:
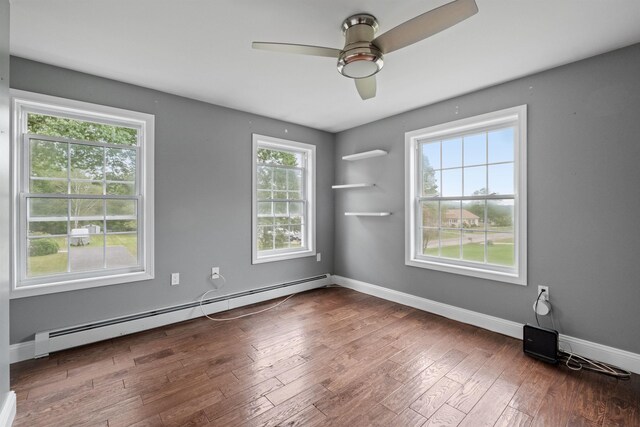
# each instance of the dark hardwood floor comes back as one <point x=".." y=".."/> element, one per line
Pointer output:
<point x="326" y="357"/>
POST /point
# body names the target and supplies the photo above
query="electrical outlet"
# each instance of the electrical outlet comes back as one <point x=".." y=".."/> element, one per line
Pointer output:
<point x="319" y="257"/>
<point x="175" y="279"/>
<point x="545" y="295"/>
<point x="215" y="272"/>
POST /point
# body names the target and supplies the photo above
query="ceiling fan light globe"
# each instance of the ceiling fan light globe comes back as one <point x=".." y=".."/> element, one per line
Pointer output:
<point x="359" y="69"/>
<point x="360" y="63"/>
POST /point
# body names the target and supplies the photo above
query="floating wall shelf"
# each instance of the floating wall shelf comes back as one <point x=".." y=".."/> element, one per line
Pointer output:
<point x="352" y="186"/>
<point x="367" y="213"/>
<point x="364" y="155"/>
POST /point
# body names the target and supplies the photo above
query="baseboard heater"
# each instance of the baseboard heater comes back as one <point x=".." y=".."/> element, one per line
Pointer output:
<point x="59" y="339"/>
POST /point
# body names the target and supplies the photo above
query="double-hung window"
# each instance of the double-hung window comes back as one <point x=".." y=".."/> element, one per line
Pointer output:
<point x="466" y="196"/>
<point x="283" y="199"/>
<point x="83" y="195"/>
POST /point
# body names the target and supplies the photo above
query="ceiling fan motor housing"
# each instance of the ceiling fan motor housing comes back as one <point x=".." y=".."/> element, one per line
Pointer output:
<point x="360" y="58"/>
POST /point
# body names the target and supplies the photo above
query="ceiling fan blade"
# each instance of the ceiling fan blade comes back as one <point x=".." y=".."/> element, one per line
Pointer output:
<point x="426" y="25"/>
<point x="298" y="48"/>
<point x="366" y="87"/>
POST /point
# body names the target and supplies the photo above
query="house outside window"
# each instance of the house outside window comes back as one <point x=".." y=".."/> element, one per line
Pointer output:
<point x="83" y="195"/>
<point x="466" y="196"/>
<point x="283" y="199"/>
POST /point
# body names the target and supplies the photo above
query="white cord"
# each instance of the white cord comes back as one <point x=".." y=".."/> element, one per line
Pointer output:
<point x="237" y="317"/>
<point x="220" y="276"/>
<point x="593" y="365"/>
<point x="241" y="316"/>
<point x="576" y="362"/>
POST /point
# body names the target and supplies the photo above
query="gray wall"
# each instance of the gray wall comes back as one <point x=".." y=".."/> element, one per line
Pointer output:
<point x="203" y="201"/>
<point x="4" y="198"/>
<point x="583" y="156"/>
<point x="583" y="195"/>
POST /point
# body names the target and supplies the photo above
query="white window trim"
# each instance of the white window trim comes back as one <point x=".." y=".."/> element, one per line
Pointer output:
<point x="22" y="101"/>
<point x="515" y="114"/>
<point x="283" y="144"/>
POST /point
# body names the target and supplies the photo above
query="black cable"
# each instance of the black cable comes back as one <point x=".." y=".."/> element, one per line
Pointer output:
<point x="536" y="307"/>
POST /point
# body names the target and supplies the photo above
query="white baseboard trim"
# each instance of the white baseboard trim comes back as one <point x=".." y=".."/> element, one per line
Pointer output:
<point x="496" y="324"/>
<point x="44" y="343"/>
<point x="22" y="351"/>
<point x="614" y="356"/>
<point x="622" y="358"/>
<point x="8" y="410"/>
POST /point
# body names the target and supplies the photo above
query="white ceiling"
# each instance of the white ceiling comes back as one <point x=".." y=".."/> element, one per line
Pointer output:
<point x="201" y="49"/>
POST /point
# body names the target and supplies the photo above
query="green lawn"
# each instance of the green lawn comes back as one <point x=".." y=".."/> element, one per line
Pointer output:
<point x="129" y="241"/>
<point x="57" y="263"/>
<point x="500" y="253"/>
<point x="47" y="264"/>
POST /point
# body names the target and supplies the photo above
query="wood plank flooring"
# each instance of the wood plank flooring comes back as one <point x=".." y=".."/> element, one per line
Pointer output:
<point x="328" y="357"/>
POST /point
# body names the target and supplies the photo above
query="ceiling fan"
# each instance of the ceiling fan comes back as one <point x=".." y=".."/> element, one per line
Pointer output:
<point x="362" y="55"/>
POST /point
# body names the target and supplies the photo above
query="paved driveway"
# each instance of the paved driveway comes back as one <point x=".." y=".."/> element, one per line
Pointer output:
<point x="469" y="238"/>
<point x="90" y="257"/>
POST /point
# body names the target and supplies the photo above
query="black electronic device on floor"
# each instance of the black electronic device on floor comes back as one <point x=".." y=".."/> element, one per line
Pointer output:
<point x="540" y="343"/>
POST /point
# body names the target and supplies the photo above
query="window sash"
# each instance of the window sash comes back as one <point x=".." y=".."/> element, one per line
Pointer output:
<point x="23" y="246"/>
<point x="303" y="192"/>
<point x="27" y="165"/>
<point x="419" y="251"/>
<point x="303" y="187"/>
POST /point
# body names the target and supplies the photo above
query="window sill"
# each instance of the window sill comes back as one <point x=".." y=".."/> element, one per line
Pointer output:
<point x="73" y="285"/>
<point x="283" y="256"/>
<point x="514" y="278"/>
